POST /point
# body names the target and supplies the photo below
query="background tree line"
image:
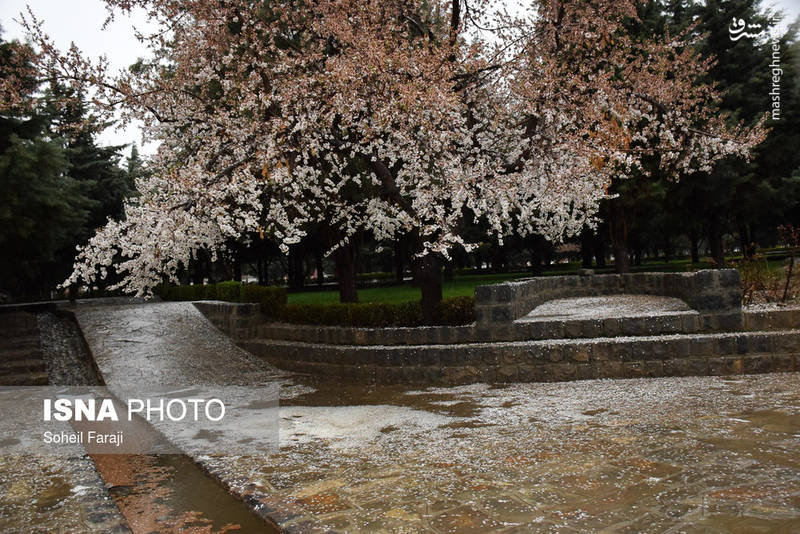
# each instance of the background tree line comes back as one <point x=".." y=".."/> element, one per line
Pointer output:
<point x="58" y="186"/>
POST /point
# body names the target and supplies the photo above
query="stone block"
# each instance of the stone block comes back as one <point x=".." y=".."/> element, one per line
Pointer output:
<point x="612" y="327"/>
<point x="534" y="354"/>
<point x="580" y="353"/>
<point x="586" y="371"/>
<point x="503" y="293"/>
<point x="633" y="369"/>
<point x="657" y="350"/>
<point x="720" y="366"/>
<point x="729" y="322"/>
<point x="500" y="314"/>
<point x="760" y="343"/>
<point x="742" y="342"/>
<point x="677" y="368"/>
<point x="761" y="363"/>
<point x="782" y="363"/>
<point x="698" y="366"/>
<point x="507" y="373"/>
<point x="726" y="345"/>
<point x="609" y="369"/>
<point x="562" y="372"/>
<point x="502" y="332"/>
<point x="554" y="330"/>
<point x="680" y="348"/>
<point x="533" y="373"/>
<point x="573" y="329"/>
<point x="705" y="279"/>
<point x="555" y="353"/>
<point x="709" y="302"/>
<point x="786" y="343"/>
<point x="483" y="294"/>
<point x="653" y="368"/>
<point x="729" y="278"/>
<point x="601" y="351"/>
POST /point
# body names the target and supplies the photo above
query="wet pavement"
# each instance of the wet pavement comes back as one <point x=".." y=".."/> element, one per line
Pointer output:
<point x="707" y="454"/>
<point x="607" y="307"/>
<point x="55" y="493"/>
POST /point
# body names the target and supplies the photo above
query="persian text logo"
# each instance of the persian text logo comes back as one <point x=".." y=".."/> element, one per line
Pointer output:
<point x="738" y="27"/>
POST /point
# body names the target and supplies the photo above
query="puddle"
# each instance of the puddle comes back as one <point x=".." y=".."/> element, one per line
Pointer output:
<point x="155" y="493"/>
<point x="773" y="421"/>
<point x="165" y="493"/>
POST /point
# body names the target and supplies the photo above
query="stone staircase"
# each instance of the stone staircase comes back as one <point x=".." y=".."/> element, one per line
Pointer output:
<point x="675" y="344"/>
<point x="21" y="362"/>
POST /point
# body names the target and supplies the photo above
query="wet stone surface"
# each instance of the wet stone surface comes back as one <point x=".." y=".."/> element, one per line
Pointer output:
<point x="46" y="494"/>
<point x="708" y="454"/>
<point x="607" y="307"/>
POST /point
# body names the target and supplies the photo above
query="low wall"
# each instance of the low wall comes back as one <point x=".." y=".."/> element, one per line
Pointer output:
<point x="710" y="292"/>
<point x="555" y="351"/>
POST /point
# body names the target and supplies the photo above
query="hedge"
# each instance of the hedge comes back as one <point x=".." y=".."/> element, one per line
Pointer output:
<point x="229" y="291"/>
<point x="272" y="299"/>
<point x="453" y="311"/>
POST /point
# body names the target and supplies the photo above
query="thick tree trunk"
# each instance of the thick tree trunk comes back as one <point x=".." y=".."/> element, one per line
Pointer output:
<point x="536" y="255"/>
<point x="295" y="267"/>
<point x="430" y="275"/>
<point x="619" y="236"/>
<point x="694" y="240"/>
<point x="345" y="261"/>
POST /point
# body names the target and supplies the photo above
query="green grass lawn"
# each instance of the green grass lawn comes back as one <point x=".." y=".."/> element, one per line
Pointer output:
<point x="464" y="285"/>
<point x="460" y="286"/>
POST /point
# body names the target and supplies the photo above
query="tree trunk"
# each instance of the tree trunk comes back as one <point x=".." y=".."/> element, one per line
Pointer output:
<point x="536" y="255"/>
<point x="430" y="275"/>
<point x="320" y="266"/>
<point x="587" y="245"/>
<point x="600" y="247"/>
<point x="618" y="226"/>
<point x="694" y="245"/>
<point x="398" y="260"/>
<point x="344" y="259"/>
<point x="715" y="243"/>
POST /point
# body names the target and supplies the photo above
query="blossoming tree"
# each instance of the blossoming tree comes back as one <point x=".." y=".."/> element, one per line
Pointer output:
<point x="389" y="116"/>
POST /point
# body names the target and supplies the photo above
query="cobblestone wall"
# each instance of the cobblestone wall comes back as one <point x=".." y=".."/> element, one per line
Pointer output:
<point x="551" y="351"/>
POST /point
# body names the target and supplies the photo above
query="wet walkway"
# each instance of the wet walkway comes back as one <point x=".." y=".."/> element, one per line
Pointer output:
<point x="654" y="455"/>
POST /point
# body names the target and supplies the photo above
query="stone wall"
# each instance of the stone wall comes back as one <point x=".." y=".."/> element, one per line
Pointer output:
<point x="713" y="293"/>
<point x="674" y="345"/>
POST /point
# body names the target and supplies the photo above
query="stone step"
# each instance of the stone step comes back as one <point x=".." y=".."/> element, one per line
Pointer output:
<point x="37" y="378"/>
<point x="564" y="359"/>
<point x="11" y="367"/>
<point x="20" y="353"/>
<point x="678" y="323"/>
<point x="18" y="321"/>
<point x="29" y="342"/>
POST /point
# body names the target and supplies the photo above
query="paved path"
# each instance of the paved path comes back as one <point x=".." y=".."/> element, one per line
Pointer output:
<point x="705" y="454"/>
